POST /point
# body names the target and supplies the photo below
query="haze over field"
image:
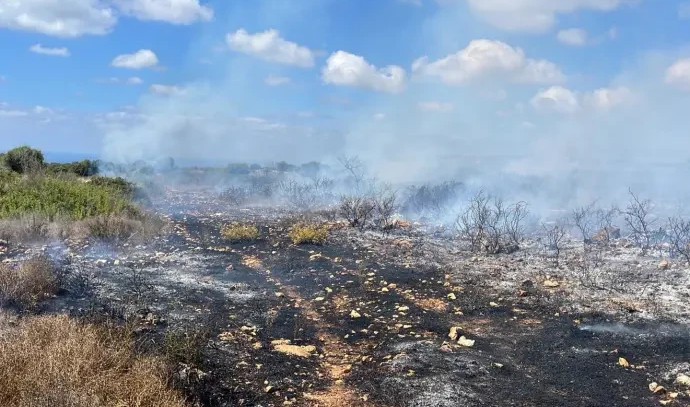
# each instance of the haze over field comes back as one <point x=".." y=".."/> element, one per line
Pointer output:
<point x="589" y="97"/>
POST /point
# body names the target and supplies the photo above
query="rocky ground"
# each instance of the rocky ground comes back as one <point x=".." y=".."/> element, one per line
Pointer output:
<point x="403" y="319"/>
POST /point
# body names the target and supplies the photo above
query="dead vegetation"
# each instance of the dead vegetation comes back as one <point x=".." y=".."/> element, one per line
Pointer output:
<point x="36" y="227"/>
<point x="56" y="361"/>
<point x="490" y="226"/>
<point x="28" y="284"/>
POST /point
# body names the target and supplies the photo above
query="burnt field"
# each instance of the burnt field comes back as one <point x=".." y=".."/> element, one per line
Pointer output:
<point x="404" y="318"/>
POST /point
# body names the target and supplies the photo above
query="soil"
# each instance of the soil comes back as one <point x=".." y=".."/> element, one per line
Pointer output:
<point x="364" y="319"/>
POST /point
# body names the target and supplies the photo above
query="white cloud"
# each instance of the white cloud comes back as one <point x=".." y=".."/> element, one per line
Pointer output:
<point x="171" y="11"/>
<point x="274" y="80"/>
<point x="61" y="18"/>
<point x="13" y="113"/>
<point x="134" y="80"/>
<point x="270" y="46"/>
<point x="678" y="74"/>
<point x="40" y="49"/>
<point x="486" y="58"/>
<point x="345" y="69"/>
<point x="42" y="110"/>
<point x="534" y="15"/>
<point x="556" y="98"/>
<point x="379" y="116"/>
<point x="433" y="106"/>
<point x="576" y="37"/>
<point x="144" y="58"/>
<point x="605" y="99"/>
<point x="166" y="90"/>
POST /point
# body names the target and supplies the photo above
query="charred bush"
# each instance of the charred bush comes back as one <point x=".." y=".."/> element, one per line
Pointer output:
<point x="584" y="219"/>
<point x="431" y="199"/>
<point x="489" y="225"/>
<point x="385" y="206"/>
<point x="263" y="184"/>
<point x="235" y="195"/>
<point x="679" y="237"/>
<point x="553" y="239"/>
<point x="307" y="195"/>
<point x="357" y="210"/>
<point x="640" y="221"/>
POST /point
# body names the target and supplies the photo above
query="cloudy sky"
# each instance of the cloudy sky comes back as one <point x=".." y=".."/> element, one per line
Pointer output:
<point x="550" y="84"/>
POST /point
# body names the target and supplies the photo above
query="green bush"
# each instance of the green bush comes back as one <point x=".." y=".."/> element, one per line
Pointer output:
<point x="84" y="168"/>
<point x="23" y="159"/>
<point x="61" y="196"/>
<point x="308" y="234"/>
<point x="237" y="232"/>
<point x="117" y="184"/>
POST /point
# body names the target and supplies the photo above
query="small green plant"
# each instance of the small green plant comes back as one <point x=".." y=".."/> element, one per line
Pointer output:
<point x="308" y="234"/>
<point x="238" y="232"/>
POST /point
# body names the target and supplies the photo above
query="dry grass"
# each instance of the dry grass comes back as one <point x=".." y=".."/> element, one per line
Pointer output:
<point x="55" y="361"/>
<point x="118" y="227"/>
<point x="308" y="234"/>
<point x="28" y="284"/>
<point x="33" y="227"/>
<point x="238" y="232"/>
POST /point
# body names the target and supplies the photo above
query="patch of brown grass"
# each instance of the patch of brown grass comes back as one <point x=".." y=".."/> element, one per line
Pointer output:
<point x="54" y="361"/>
<point x="28" y="284"/>
<point x="32" y="227"/>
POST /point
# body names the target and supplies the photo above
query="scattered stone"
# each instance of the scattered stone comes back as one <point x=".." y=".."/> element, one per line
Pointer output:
<point x="683" y="380"/>
<point x="452" y="297"/>
<point x="354" y="314"/>
<point x="454" y="334"/>
<point x="623" y="362"/>
<point x="551" y="283"/>
<point x="463" y="341"/>
<point x="284" y="346"/>
<point x="663" y="265"/>
<point x="656" y="388"/>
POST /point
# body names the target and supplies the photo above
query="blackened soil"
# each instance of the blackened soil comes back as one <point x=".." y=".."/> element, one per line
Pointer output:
<point x="378" y="318"/>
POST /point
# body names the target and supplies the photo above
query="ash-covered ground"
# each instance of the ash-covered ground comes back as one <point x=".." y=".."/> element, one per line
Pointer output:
<point x="406" y="318"/>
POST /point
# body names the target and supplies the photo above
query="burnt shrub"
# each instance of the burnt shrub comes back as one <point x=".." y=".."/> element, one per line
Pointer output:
<point x="357" y="210"/>
<point x="431" y="199"/>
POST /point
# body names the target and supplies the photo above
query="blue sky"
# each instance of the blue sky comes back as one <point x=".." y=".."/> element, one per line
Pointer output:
<point x="409" y="80"/>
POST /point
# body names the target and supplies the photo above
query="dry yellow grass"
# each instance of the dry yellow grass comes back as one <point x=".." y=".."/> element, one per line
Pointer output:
<point x="238" y="232"/>
<point x="308" y="234"/>
<point x="28" y="284"/>
<point x="55" y="361"/>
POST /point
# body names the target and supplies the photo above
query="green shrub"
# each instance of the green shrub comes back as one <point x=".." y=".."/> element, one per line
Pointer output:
<point x="23" y="159"/>
<point x="59" y="196"/>
<point x="308" y="234"/>
<point x="84" y="168"/>
<point x="237" y="232"/>
<point x="118" y="184"/>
